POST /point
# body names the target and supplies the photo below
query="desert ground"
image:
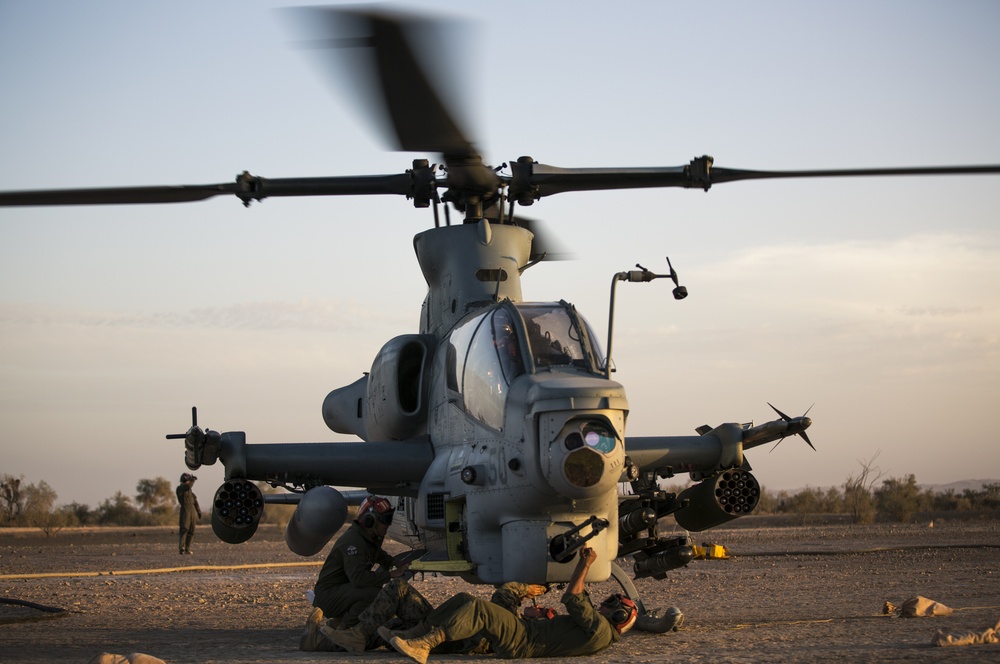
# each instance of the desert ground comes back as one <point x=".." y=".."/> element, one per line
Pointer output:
<point x="790" y="593"/>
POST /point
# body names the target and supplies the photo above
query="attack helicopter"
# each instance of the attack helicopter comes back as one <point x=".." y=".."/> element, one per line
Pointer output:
<point x="496" y="426"/>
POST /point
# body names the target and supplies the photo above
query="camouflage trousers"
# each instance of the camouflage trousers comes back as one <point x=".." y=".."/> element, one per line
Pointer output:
<point x="401" y="606"/>
<point x="398" y="606"/>
<point x="510" y="595"/>
<point x="187" y="525"/>
<point x="465" y="617"/>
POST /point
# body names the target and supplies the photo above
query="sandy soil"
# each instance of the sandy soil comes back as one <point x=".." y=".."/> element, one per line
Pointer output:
<point x="790" y="594"/>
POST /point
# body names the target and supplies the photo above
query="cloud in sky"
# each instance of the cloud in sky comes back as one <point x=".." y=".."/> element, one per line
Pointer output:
<point x="895" y="342"/>
<point x="302" y="315"/>
<point x="872" y="332"/>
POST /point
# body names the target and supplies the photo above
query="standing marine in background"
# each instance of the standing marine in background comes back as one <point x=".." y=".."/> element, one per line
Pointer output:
<point x="190" y="511"/>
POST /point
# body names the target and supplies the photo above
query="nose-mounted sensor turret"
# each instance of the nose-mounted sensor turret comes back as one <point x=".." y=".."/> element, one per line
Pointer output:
<point x="588" y="446"/>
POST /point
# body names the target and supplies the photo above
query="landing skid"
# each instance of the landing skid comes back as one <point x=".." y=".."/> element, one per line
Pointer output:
<point x="648" y="621"/>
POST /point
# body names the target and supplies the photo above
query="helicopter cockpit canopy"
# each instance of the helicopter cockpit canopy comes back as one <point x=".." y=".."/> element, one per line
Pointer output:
<point x="487" y="351"/>
<point x="559" y="337"/>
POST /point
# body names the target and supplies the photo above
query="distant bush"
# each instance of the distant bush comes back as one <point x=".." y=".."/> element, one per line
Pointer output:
<point x="157" y="499"/>
<point x="896" y="499"/>
<point x="858" y="499"/>
<point x="274" y="513"/>
<point x="119" y="510"/>
<point x="29" y="505"/>
<point x="155" y="504"/>
<point x="34" y="506"/>
<point x="899" y="499"/>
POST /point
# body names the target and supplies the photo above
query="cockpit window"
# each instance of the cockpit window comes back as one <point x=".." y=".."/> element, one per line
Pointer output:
<point x="486" y="352"/>
<point x="507" y="345"/>
<point x="484" y="356"/>
<point x="458" y="348"/>
<point x="554" y="338"/>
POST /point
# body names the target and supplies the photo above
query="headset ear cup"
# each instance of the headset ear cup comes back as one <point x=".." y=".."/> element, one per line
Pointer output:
<point x="368" y="520"/>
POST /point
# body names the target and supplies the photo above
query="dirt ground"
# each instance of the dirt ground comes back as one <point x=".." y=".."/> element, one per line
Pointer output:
<point x="801" y="593"/>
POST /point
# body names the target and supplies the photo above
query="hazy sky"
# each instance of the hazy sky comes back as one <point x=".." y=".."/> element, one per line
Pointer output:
<point x="877" y="300"/>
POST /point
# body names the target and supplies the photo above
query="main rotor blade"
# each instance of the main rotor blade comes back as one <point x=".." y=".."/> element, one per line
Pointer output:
<point x="547" y="180"/>
<point x="720" y="175"/>
<point x="386" y="45"/>
<point x="246" y="187"/>
<point x="115" y="195"/>
<point x="545" y="245"/>
<point x="531" y="180"/>
<point x="385" y="52"/>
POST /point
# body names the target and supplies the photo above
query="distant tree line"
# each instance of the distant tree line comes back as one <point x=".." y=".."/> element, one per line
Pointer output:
<point x="895" y="499"/>
<point x="28" y="505"/>
<point x="34" y="506"/>
<point x="861" y="497"/>
<point x="867" y="498"/>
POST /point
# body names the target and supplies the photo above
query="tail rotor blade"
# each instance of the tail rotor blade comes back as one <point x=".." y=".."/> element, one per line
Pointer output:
<point x="805" y="437"/>
<point x="780" y="414"/>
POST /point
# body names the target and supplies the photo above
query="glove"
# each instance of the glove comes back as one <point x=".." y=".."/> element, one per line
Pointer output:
<point x="539" y="613"/>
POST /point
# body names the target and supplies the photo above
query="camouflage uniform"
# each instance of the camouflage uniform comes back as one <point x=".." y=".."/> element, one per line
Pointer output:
<point x="510" y="595"/>
<point x="347" y="583"/>
<point x="583" y="632"/>
<point x="400" y="606"/>
<point x="189" y="510"/>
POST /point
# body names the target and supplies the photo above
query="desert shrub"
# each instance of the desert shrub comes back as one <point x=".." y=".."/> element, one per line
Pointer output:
<point x="899" y="499"/>
<point x="156" y="499"/>
<point x="813" y="501"/>
<point x="11" y="502"/>
<point x="859" y="501"/>
<point x="768" y="503"/>
<point x="275" y="513"/>
<point x="119" y="511"/>
<point x="29" y="505"/>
